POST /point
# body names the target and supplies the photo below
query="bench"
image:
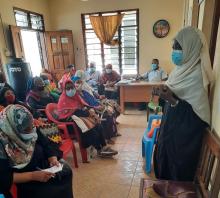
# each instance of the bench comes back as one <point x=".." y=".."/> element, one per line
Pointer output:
<point x="207" y="181"/>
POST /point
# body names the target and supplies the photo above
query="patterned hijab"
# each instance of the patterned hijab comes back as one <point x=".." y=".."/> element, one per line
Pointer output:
<point x="14" y="120"/>
<point x="190" y="80"/>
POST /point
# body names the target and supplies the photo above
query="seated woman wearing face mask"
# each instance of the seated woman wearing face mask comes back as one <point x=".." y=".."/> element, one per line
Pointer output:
<point x="7" y="97"/>
<point x="51" y="87"/>
<point x="38" y="97"/>
<point x="187" y="110"/>
<point x="72" y="107"/>
<point x="23" y="152"/>
<point x="108" y="80"/>
<point x="106" y="112"/>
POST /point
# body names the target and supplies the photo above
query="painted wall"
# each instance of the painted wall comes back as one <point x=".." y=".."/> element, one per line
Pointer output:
<point x="66" y="14"/>
<point x="6" y="11"/>
<point x="216" y="98"/>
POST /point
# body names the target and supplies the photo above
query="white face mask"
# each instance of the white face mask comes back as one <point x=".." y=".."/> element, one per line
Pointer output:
<point x="29" y="136"/>
<point x="108" y="71"/>
<point x="71" y="92"/>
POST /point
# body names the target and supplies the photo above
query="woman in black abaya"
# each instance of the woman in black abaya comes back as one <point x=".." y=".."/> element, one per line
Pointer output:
<point x="187" y="111"/>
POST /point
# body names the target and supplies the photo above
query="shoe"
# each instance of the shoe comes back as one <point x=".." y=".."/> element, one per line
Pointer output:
<point x="117" y="134"/>
<point x="110" y="142"/>
<point x="107" y="152"/>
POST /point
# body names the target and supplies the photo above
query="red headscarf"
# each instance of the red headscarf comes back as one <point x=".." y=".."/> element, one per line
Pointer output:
<point x="67" y="105"/>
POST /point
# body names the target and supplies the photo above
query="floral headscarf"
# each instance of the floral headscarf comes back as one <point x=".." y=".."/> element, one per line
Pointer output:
<point x="14" y="119"/>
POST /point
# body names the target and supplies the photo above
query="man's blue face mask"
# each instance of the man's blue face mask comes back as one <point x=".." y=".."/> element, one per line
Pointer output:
<point x="177" y="57"/>
<point x="154" y="66"/>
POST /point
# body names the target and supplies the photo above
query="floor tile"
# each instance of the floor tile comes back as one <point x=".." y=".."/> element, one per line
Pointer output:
<point x="117" y="177"/>
<point x="114" y="191"/>
<point x="134" y="192"/>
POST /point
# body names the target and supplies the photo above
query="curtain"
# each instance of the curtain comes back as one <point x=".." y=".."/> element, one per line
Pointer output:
<point x="105" y="27"/>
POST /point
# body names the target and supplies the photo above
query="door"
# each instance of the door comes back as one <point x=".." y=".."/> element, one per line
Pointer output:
<point x="60" y="51"/>
<point x="17" y="41"/>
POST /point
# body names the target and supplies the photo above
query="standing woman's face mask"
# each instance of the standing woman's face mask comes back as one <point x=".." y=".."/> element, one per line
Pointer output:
<point x="177" y="54"/>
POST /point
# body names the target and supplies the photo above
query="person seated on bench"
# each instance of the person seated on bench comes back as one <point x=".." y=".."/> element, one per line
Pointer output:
<point x="24" y="152"/>
<point x="108" y="80"/>
<point x="187" y="111"/>
<point x="71" y="107"/>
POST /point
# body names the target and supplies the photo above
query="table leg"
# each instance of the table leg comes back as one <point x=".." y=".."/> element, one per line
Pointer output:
<point x="122" y="99"/>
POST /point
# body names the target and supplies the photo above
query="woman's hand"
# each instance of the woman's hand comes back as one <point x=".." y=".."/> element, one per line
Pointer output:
<point x="165" y="93"/>
<point x="41" y="176"/>
<point x="53" y="161"/>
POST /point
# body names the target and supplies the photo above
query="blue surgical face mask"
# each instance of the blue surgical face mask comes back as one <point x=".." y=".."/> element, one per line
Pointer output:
<point x="71" y="92"/>
<point x="154" y="66"/>
<point x="177" y="57"/>
<point x="92" y="69"/>
<point x="108" y="71"/>
<point x="29" y="136"/>
<point x="46" y="82"/>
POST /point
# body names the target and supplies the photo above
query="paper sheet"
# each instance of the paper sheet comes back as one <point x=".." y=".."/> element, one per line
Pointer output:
<point x="54" y="169"/>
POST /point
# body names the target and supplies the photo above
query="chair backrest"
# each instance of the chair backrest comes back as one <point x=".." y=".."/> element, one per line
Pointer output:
<point x="208" y="174"/>
<point x="50" y="109"/>
<point x="151" y="118"/>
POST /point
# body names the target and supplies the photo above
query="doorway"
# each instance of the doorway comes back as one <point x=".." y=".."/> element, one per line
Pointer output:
<point x="32" y="50"/>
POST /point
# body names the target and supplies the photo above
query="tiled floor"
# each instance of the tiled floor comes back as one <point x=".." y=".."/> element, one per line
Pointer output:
<point x="118" y="177"/>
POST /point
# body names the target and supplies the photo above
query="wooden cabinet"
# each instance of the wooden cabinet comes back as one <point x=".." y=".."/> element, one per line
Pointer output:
<point x="60" y="51"/>
<point x="17" y="41"/>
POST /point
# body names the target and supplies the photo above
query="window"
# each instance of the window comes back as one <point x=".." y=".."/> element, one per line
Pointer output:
<point x="29" y="20"/>
<point x="123" y="57"/>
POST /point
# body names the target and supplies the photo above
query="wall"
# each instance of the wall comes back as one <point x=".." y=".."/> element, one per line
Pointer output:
<point x="216" y="100"/>
<point x="66" y="14"/>
<point x="6" y="11"/>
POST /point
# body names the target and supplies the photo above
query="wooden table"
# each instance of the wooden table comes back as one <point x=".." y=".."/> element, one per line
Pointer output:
<point x="136" y="92"/>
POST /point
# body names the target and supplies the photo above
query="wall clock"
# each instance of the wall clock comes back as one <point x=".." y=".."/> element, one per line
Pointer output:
<point x="161" y="28"/>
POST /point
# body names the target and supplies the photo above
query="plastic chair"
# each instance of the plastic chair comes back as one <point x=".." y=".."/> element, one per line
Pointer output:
<point x="52" y="107"/>
<point x="13" y="191"/>
<point x="148" y="143"/>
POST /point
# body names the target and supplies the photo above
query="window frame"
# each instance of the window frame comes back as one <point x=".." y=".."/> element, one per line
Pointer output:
<point x="119" y="37"/>
<point x="28" y="12"/>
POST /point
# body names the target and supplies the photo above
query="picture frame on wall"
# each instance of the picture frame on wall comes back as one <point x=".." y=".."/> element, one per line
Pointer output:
<point x="161" y="28"/>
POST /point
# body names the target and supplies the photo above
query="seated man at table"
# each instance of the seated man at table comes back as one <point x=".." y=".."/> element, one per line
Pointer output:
<point x="108" y="80"/>
<point x="156" y="74"/>
<point x="93" y="76"/>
